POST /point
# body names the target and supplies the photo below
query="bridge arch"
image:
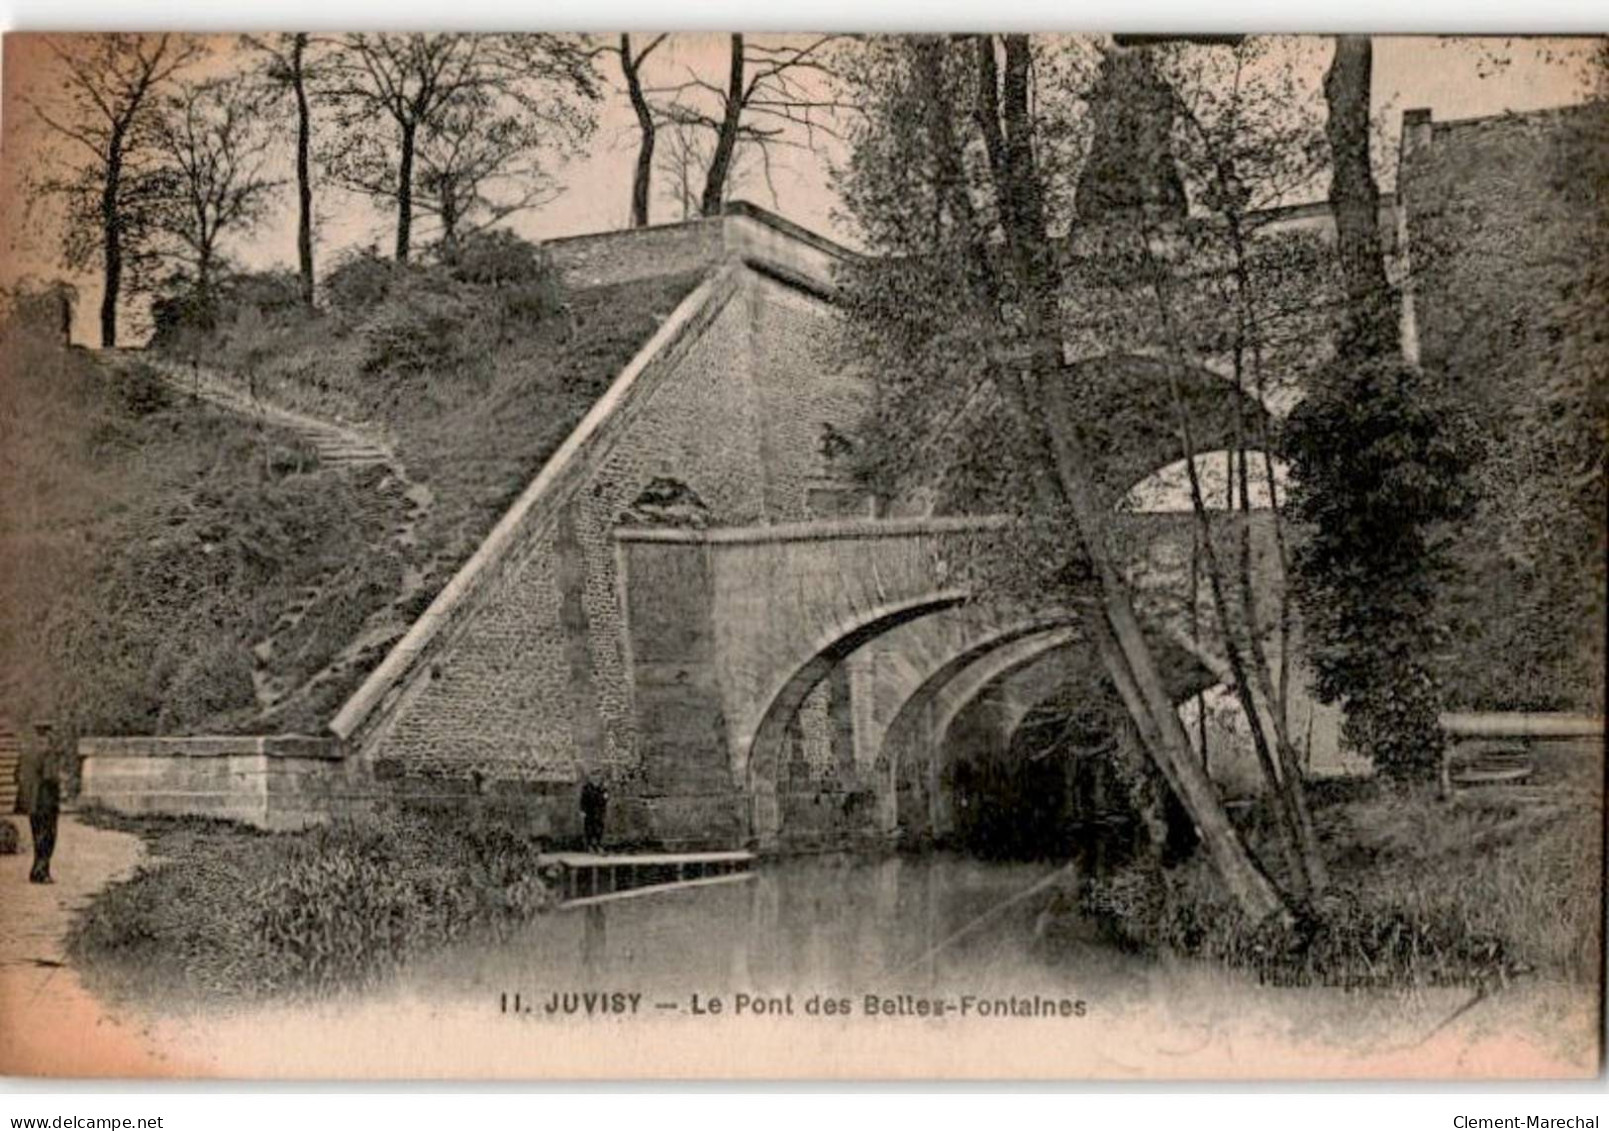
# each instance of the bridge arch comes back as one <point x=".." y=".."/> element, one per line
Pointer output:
<point x="1014" y="676"/>
<point x="760" y="752"/>
<point x="908" y="759"/>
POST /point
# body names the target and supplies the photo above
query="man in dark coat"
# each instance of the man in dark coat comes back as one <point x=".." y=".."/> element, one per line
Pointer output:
<point x="594" y="805"/>
<point x="42" y="822"/>
<point x="44" y="810"/>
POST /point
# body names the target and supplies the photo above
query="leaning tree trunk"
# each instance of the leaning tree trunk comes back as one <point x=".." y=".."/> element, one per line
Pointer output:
<point x="1116" y="627"/>
<point x="726" y="139"/>
<point x="304" y="179"/>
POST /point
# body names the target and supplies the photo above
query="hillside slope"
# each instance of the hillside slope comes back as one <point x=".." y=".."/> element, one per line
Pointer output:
<point x="472" y="385"/>
<point x="146" y="538"/>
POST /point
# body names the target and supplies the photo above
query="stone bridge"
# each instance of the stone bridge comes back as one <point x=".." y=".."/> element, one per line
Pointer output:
<point x="732" y="632"/>
<point x="782" y="668"/>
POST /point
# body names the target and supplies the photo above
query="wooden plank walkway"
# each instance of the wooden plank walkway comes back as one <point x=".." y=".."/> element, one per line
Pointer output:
<point x="588" y="877"/>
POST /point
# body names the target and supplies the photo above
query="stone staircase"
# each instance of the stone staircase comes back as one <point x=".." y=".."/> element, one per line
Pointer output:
<point x="10" y="758"/>
<point x="337" y="444"/>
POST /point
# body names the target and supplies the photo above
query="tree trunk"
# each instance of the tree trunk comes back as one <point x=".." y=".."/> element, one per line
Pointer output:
<point x="1123" y="646"/>
<point x="726" y="138"/>
<point x="449" y="221"/>
<point x="405" y="192"/>
<point x="304" y="181"/>
<point x="642" y="181"/>
<point x="111" y="241"/>
<point x="204" y="256"/>
<point x="1354" y="199"/>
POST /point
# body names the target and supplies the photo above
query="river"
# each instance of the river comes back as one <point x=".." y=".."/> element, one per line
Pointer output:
<point x="827" y="966"/>
<point x="830" y="925"/>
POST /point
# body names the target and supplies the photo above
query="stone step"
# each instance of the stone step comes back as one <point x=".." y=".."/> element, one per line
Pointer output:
<point x="9" y="760"/>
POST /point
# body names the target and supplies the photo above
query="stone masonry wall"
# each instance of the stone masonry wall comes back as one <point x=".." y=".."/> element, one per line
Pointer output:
<point x="636" y="253"/>
<point x="535" y="678"/>
<point x="802" y="387"/>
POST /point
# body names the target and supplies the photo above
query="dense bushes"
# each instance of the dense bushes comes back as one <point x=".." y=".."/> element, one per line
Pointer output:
<point x="234" y="913"/>
<point x="1423" y="893"/>
<point x="442" y="318"/>
<point x="152" y="540"/>
<point x="1380" y="453"/>
<point x="183" y="318"/>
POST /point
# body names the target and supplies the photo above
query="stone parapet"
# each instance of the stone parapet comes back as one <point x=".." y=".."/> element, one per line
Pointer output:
<point x="274" y="782"/>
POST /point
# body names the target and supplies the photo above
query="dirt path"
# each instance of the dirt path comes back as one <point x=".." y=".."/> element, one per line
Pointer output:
<point x="49" y="1024"/>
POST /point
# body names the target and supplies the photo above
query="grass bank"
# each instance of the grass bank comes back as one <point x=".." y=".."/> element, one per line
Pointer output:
<point x="147" y="540"/>
<point x="228" y="913"/>
<point x="1422" y="892"/>
<point x="477" y="372"/>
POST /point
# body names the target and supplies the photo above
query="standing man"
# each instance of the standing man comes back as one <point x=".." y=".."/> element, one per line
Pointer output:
<point x="594" y="805"/>
<point x="45" y="809"/>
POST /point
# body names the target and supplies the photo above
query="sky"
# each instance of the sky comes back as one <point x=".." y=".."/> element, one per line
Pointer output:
<point x="1453" y="78"/>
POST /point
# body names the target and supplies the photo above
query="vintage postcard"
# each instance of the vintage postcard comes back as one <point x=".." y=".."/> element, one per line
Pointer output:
<point x="773" y="556"/>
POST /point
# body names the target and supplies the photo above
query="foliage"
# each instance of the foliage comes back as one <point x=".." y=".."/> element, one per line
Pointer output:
<point x="211" y="179"/>
<point x="150" y="541"/>
<point x="233" y="913"/>
<point x="471" y="117"/>
<point x="107" y="173"/>
<point x="501" y="259"/>
<point x="474" y="412"/>
<point x="1511" y="276"/>
<point x="184" y="319"/>
<point x="1379" y="451"/>
<point x="1423" y="893"/>
<point x="360" y="281"/>
<point x="10" y="838"/>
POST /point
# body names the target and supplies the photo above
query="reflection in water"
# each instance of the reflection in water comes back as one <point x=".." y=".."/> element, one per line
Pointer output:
<point x="827" y="924"/>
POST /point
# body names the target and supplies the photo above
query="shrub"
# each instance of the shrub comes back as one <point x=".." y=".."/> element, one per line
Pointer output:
<point x="420" y="334"/>
<point x="10" y="839"/>
<point x="1422" y="893"/>
<point x="212" y="677"/>
<point x="40" y="310"/>
<point x="337" y="911"/>
<point x="527" y="285"/>
<point x="140" y="391"/>
<point x="236" y="913"/>
<point x="361" y="280"/>
<point x="500" y="259"/>
<point x="1380" y="453"/>
<point x="274" y="294"/>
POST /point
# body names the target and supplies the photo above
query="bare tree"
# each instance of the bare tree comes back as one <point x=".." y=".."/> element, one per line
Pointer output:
<point x="685" y="155"/>
<point x="211" y="174"/>
<point x="773" y="96"/>
<point x="288" y="70"/>
<point x="481" y="162"/>
<point x="106" y="112"/>
<point x="642" y="179"/>
<point x="415" y="80"/>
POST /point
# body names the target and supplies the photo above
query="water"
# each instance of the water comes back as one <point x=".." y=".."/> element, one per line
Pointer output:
<point x="832" y="925"/>
<point x="821" y="966"/>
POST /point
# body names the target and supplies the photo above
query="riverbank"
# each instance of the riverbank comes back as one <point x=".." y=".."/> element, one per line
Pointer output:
<point x="1423" y="892"/>
<point x="813" y="930"/>
<point x="229" y="913"/>
<point x="50" y="1025"/>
